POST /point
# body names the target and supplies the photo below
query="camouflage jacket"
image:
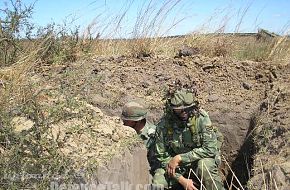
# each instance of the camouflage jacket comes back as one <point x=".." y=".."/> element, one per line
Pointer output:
<point x="193" y="140"/>
<point x="148" y="136"/>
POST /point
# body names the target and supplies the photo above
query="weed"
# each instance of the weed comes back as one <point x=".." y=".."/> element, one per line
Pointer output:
<point x="12" y="21"/>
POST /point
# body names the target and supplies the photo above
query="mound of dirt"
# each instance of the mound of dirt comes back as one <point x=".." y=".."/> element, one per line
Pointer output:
<point x="231" y="91"/>
<point x="90" y="140"/>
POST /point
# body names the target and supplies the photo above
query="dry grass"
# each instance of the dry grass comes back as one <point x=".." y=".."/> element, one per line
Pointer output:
<point x="57" y="45"/>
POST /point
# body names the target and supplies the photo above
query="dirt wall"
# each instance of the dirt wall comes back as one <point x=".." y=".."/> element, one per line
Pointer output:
<point x="128" y="171"/>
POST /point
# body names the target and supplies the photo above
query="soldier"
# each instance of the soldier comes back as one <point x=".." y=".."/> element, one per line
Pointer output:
<point x="186" y="141"/>
<point x="134" y="115"/>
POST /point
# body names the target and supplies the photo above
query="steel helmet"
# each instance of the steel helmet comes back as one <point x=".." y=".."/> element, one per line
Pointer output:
<point x="182" y="99"/>
<point x="134" y="111"/>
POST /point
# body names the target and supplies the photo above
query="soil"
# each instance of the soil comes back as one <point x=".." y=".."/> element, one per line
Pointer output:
<point x="236" y="94"/>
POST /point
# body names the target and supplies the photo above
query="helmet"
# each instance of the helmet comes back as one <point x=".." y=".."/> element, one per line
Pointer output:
<point x="134" y="111"/>
<point x="182" y="99"/>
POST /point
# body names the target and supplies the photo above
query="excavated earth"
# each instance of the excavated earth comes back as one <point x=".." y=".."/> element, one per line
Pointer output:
<point x="248" y="101"/>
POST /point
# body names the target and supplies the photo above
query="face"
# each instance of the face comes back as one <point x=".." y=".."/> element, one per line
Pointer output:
<point x="182" y="114"/>
<point x="129" y="123"/>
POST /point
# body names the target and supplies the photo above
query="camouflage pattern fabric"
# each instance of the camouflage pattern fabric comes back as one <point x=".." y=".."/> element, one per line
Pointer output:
<point x="134" y="111"/>
<point x="182" y="99"/>
<point x="148" y="136"/>
<point x="196" y="142"/>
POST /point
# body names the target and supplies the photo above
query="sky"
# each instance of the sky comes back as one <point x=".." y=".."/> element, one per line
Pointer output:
<point x="132" y="18"/>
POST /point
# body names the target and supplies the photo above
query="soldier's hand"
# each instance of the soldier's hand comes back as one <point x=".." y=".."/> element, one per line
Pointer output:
<point x="187" y="183"/>
<point x="172" y="165"/>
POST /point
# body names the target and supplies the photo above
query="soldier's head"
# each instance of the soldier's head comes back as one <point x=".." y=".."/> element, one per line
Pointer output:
<point x="134" y="115"/>
<point x="182" y="102"/>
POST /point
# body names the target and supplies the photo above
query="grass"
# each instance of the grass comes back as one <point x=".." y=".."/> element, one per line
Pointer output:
<point x="34" y="151"/>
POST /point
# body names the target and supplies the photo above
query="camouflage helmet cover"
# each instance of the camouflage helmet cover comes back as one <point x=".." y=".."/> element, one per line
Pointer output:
<point x="182" y="99"/>
<point x="134" y="111"/>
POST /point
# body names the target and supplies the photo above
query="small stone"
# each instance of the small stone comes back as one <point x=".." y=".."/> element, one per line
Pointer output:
<point x="207" y="67"/>
<point x="246" y="86"/>
<point x="213" y="98"/>
<point x="21" y="123"/>
<point x="129" y="86"/>
<point x="115" y="137"/>
<point x="144" y="84"/>
<point x="187" y="51"/>
<point x="95" y="71"/>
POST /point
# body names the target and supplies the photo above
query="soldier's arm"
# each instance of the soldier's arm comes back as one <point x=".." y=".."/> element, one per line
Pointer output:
<point x="209" y="143"/>
<point x="161" y="151"/>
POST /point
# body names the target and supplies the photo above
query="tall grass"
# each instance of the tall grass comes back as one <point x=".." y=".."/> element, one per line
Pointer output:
<point x="58" y="44"/>
<point x="145" y="37"/>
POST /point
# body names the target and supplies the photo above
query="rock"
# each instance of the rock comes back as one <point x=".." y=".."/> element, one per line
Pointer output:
<point x="207" y="67"/>
<point x="96" y="99"/>
<point x="111" y="58"/>
<point x="120" y="59"/>
<point x="105" y="129"/>
<point x="2" y="150"/>
<point x="187" y="51"/>
<point x="129" y="86"/>
<point x="144" y="84"/>
<point x="258" y="76"/>
<point x="95" y="71"/>
<point x="115" y="137"/>
<point x="246" y="85"/>
<point x="143" y="54"/>
<point x="22" y="123"/>
<point x="213" y="98"/>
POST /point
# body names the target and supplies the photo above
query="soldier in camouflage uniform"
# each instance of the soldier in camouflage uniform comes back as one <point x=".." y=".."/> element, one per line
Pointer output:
<point x="185" y="141"/>
<point x="134" y="115"/>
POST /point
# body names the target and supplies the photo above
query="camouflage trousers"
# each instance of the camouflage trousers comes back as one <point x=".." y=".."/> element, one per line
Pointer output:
<point x="205" y="169"/>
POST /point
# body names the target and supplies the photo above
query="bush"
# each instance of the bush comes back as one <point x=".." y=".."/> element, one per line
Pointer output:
<point x="14" y="24"/>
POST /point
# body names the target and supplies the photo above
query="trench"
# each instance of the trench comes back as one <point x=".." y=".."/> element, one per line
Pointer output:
<point x="130" y="170"/>
<point x="238" y="148"/>
<point x="243" y="162"/>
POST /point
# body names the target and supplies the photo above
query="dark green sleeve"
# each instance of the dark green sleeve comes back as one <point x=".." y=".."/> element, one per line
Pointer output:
<point x="161" y="150"/>
<point x="162" y="153"/>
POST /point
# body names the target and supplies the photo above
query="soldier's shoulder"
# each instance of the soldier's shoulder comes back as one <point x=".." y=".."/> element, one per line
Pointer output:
<point x="151" y="128"/>
<point x="203" y="113"/>
<point x="205" y="120"/>
<point x="150" y="125"/>
<point x="161" y="123"/>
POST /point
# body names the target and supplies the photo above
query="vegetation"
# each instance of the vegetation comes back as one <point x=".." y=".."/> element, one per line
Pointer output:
<point x="22" y="51"/>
